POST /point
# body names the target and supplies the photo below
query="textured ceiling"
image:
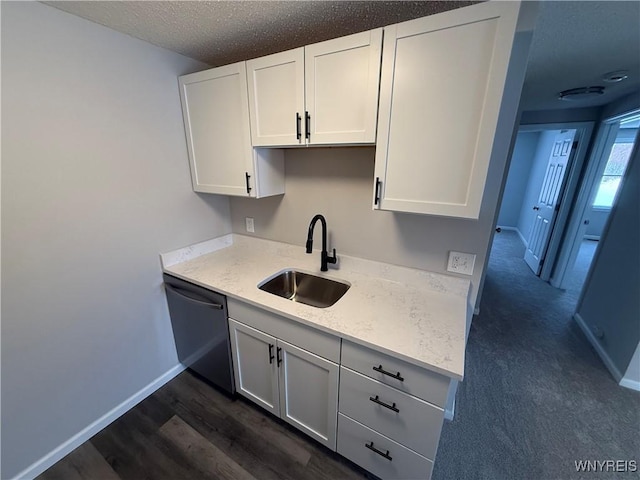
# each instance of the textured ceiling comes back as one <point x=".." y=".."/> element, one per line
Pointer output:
<point x="575" y="42"/>
<point x="223" y="32"/>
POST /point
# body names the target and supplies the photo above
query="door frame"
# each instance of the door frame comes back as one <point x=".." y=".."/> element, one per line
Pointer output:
<point x="583" y="135"/>
<point x="575" y="228"/>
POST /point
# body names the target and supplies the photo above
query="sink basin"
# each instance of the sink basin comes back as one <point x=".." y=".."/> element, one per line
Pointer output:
<point x="305" y="288"/>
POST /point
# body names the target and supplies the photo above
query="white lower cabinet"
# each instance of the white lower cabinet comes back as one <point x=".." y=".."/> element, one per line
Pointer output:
<point x="309" y="393"/>
<point x="254" y="365"/>
<point x="292" y="383"/>
<point x="390" y="412"/>
<point x="379" y="454"/>
<point x="406" y="419"/>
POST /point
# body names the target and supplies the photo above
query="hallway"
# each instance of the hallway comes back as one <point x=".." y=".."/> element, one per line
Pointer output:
<point x="535" y="397"/>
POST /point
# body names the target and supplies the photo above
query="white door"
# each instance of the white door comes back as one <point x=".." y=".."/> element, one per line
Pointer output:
<point x="309" y="393"/>
<point x="216" y="116"/>
<point x="255" y="365"/>
<point x="546" y="208"/>
<point x="341" y="88"/>
<point x="443" y="78"/>
<point x="276" y="99"/>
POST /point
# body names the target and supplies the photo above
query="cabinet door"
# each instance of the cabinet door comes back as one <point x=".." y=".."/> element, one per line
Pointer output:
<point x="341" y="88"/>
<point x="255" y="366"/>
<point x="443" y="78"/>
<point x="216" y="117"/>
<point x="276" y="98"/>
<point x="309" y="393"/>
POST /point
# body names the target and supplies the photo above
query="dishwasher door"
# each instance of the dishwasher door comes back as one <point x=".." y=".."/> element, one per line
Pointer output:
<point x="201" y="331"/>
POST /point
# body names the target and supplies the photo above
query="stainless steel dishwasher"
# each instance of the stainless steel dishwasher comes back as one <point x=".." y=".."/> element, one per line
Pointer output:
<point x="201" y="331"/>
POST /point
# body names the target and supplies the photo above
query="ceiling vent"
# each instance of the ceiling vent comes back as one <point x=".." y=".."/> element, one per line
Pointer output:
<point x="582" y="93"/>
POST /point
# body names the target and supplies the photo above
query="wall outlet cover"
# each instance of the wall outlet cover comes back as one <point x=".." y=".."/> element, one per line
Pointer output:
<point x="461" y="262"/>
<point x="249" y="224"/>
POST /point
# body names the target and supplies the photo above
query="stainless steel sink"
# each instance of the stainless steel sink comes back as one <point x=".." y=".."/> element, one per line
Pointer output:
<point x="305" y="288"/>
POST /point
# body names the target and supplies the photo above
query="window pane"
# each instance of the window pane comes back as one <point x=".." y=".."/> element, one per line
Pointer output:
<point x="613" y="171"/>
<point x="607" y="191"/>
<point x="618" y="159"/>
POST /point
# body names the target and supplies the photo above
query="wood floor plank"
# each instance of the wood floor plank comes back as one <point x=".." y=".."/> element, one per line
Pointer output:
<point x="189" y="430"/>
<point x="262" y="460"/>
<point x="202" y="452"/>
<point x="84" y="462"/>
<point x="135" y="450"/>
<point x="251" y="416"/>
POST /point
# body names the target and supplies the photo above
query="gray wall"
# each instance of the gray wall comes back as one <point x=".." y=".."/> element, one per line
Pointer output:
<point x="536" y="176"/>
<point x="610" y="301"/>
<point x="95" y="183"/>
<point x="519" y="171"/>
<point x="338" y="182"/>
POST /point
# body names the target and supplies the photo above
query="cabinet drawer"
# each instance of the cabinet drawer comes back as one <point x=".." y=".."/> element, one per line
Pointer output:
<point x="414" y="380"/>
<point x="400" y="462"/>
<point x="321" y="343"/>
<point x="416" y="423"/>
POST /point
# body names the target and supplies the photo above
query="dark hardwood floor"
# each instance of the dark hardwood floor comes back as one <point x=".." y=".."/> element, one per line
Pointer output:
<point x="189" y="430"/>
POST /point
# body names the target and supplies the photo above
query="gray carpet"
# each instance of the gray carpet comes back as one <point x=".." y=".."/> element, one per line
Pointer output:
<point x="535" y="397"/>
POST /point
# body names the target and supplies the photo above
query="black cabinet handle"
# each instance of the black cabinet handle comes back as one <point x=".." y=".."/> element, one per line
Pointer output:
<point x="397" y="376"/>
<point x="271" y="353"/>
<point x="279" y="354"/>
<point x="298" y="126"/>
<point x="247" y="177"/>
<point x="377" y="400"/>
<point x="379" y="452"/>
<point x="376" y="200"/>
<point x="307" y="125"/>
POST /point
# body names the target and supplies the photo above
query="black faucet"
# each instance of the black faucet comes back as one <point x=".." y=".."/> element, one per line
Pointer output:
<point x="324" y="256"/>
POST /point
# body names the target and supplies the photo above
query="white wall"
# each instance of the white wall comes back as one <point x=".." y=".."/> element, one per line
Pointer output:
<point x="519" y="171"/>
<point x="609" y="304"/>
<point x="95" y="183"/>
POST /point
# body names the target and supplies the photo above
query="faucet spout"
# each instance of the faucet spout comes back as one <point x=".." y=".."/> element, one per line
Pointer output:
<point x="324" y="256"/>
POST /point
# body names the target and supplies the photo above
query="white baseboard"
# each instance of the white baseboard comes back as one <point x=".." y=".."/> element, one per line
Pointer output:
<point x="628" y="383"/>
<point x="601" y="352"/>
<point x="85" y="434"/>
<point x="515" y="229"/>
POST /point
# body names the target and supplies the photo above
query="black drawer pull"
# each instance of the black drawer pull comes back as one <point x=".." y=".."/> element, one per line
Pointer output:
<point x="279" y="355"/>
<point x="379" y="452"/>
<point x="385" y="405"/>
<point x="271" y="357"/>
<point x="298" y="126"/>
<point x="397" y="376"/>
<point x="307" y="126"/>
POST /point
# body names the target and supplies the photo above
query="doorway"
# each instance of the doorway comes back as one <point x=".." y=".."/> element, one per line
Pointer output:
<point x="585" y="229"/>
<point x="558" y="202"/>
<point x="544" y="172"/>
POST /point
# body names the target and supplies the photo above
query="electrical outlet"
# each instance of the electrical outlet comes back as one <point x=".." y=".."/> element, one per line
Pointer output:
<point x="249" y="224"/>
<point x="461" y="262"/>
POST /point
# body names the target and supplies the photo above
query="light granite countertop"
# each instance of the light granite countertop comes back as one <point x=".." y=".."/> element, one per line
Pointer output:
<point x="411" y="314"/>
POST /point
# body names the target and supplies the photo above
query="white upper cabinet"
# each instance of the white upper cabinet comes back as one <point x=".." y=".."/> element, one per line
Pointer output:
<point x="441" y="92"/>
<point x="216" y="117"/>
<point x="322" y="94"/>
<point x="276" y="98"/>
